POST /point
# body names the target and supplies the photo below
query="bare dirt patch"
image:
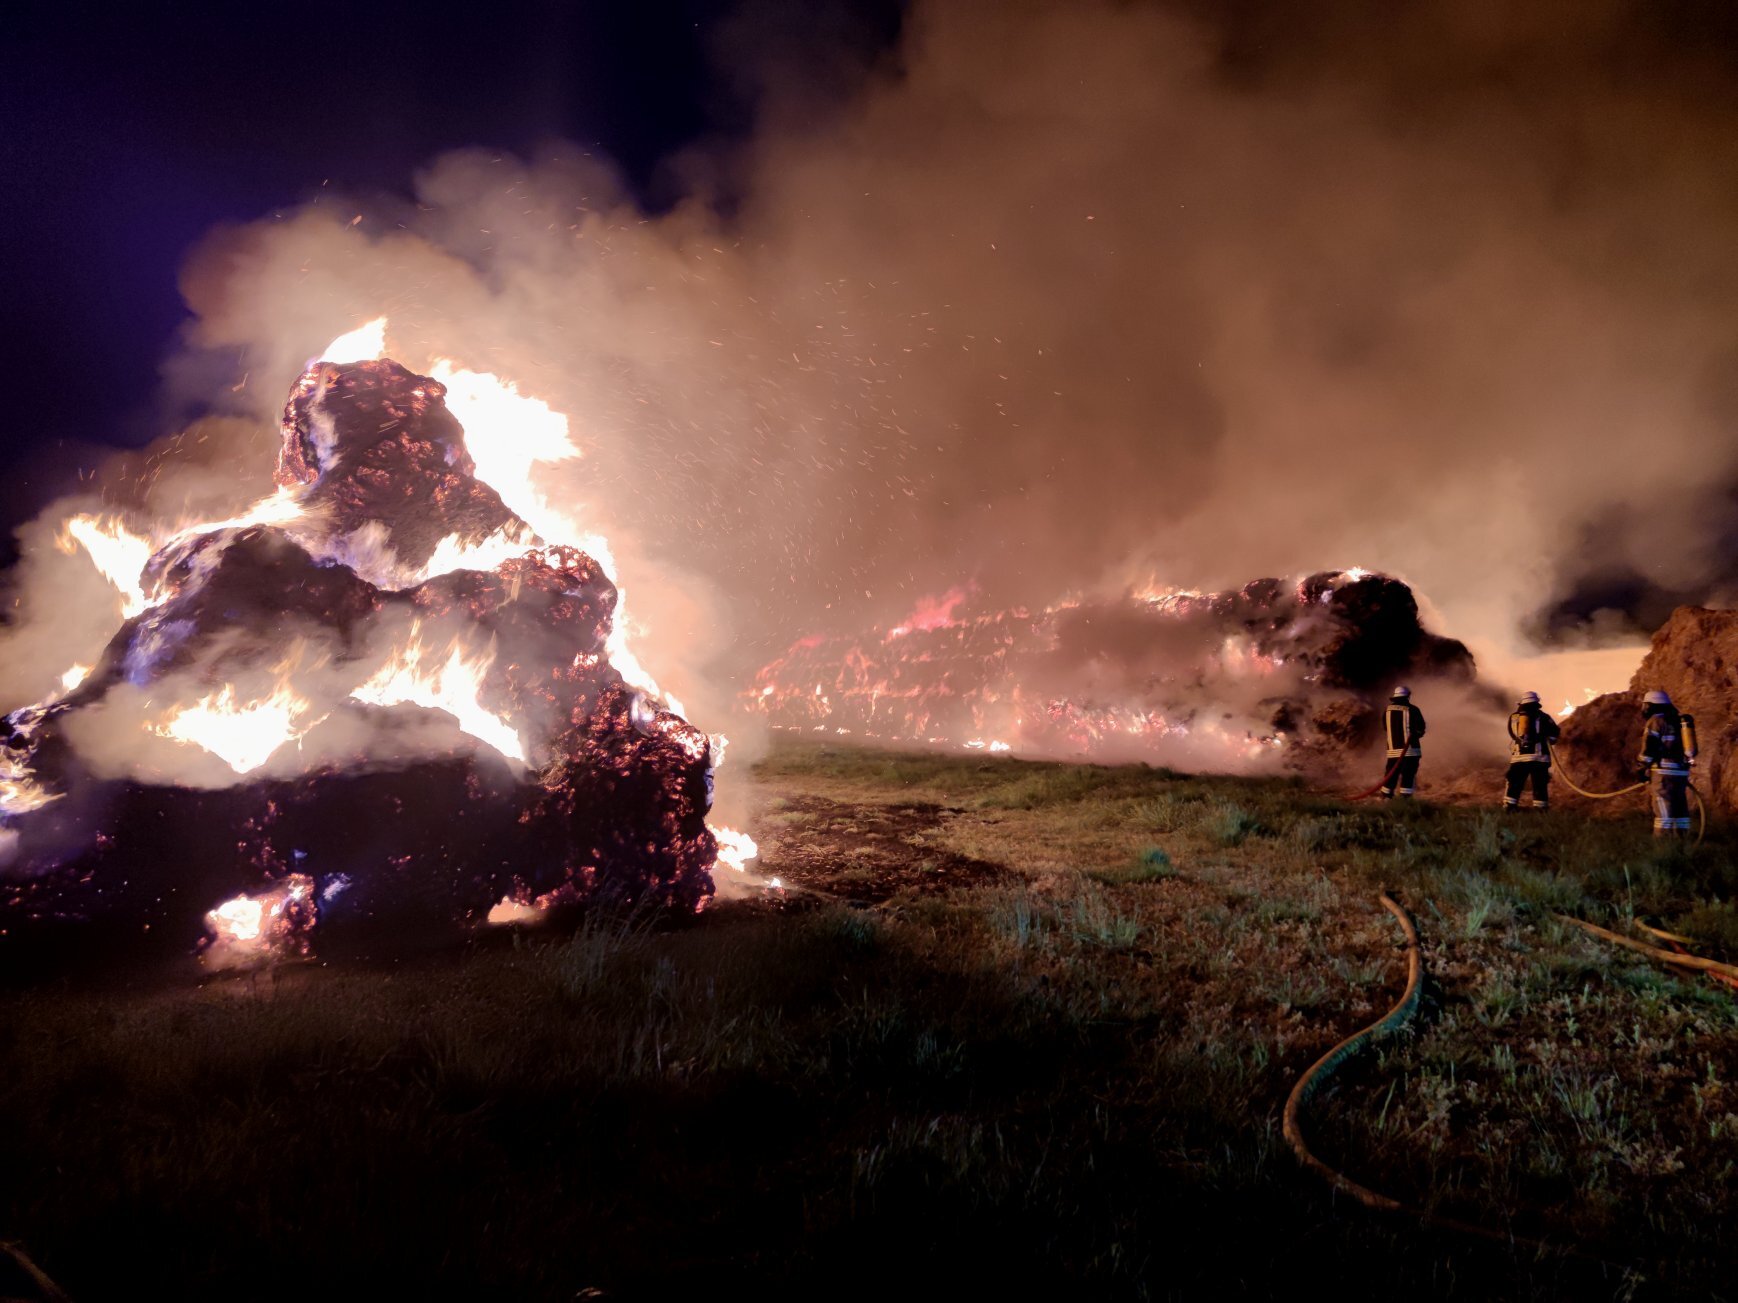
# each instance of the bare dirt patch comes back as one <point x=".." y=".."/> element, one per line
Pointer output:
<point x="867" y="854"/>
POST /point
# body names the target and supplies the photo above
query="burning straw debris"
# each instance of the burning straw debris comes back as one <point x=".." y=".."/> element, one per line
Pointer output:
<point x="1273" y="672"/>
<point x="382" y="694"/>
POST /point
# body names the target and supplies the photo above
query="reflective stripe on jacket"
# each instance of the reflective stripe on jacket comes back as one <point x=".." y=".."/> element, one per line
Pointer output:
<point x="1662" y="745"/>
<point x="1402" y="726"/>
<point x="1531" y="733"/>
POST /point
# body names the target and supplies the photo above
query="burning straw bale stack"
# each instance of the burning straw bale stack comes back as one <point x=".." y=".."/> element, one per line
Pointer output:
<point x="447" y="732"/>
<point x="1216" y="680"/>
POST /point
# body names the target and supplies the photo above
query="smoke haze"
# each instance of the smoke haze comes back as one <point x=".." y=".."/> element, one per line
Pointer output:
<point x="1070" y="297"/>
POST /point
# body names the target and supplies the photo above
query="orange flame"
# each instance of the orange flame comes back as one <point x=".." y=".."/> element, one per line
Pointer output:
<point x="735" y="849"/>
<point x="243" y="734"/>
<point x="507" y="433"/>
<point x="266" y="925"/>
<point x="509" y="910"/>
<point x="451" y="554"/>
<point x="364" y="344"/>
<point x="121" y="555"/>
<point x="19" y="792"/>
<point x="449" y="681"/>
<point x="118" y="553"/>
<point x="72" y="678"/>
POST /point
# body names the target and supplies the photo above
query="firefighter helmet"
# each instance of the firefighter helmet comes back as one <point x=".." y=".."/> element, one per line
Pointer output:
<point x="1529" y="699"/>
<point x="1401" y="692"/>
<point x="1657" y="698"/>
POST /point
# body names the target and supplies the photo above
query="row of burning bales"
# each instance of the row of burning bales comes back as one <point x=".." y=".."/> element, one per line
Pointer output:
<point x="382" y="695"/>
<point x="399" y="691"/>
<point x="1275" y="674"/>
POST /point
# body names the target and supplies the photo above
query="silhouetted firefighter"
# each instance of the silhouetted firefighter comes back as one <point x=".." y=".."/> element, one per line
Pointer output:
<point x="1668" y="750"/>
<point x="1531" y="735"/>
<point x="1402" y="725"/>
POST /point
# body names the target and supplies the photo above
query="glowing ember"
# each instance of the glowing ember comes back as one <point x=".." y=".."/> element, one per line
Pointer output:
<point x="73" y="677"/>
<point x="263" y="927"/>
<point x="510" y="910"/>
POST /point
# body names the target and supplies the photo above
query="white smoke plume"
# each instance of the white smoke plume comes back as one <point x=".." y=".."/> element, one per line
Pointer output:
<point x="1077" y="296"/>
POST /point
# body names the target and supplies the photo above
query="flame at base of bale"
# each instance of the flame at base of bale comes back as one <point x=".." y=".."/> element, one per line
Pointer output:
<point x="268" y="926"/>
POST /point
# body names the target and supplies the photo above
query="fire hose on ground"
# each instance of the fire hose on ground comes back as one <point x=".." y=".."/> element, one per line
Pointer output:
<point x="1677" y="944"/>
<point x="1384" y="1028"/>
<point x="28" y="1273"/>
<point x="1573" y="786"/>
<point x="1387" y="778"/>
<point x="1397" y="1020"/>
<point x="1676" y="957"/>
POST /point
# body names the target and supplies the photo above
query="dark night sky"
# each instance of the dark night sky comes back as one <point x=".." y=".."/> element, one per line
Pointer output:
<point x="127" y="136"/>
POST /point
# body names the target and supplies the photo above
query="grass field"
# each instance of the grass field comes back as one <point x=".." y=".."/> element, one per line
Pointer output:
<point x="1014" y="1027"/>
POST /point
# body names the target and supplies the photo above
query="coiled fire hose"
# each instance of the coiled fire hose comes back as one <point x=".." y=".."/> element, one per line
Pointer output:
<point x="1389" y="1024"/>
<point x="1396" y="1020"/>
<point x="1573" y="786"/>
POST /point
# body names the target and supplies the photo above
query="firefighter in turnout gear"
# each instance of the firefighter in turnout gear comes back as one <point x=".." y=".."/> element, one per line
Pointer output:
<point x="1531" y="734"/>
<point x="1402" y="726"/>
<point x="1668" y="750"/>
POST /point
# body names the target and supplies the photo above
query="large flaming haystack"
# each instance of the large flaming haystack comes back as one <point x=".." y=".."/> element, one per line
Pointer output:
<point x="396" y="700"/>
<point x="1212" y="679"/>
